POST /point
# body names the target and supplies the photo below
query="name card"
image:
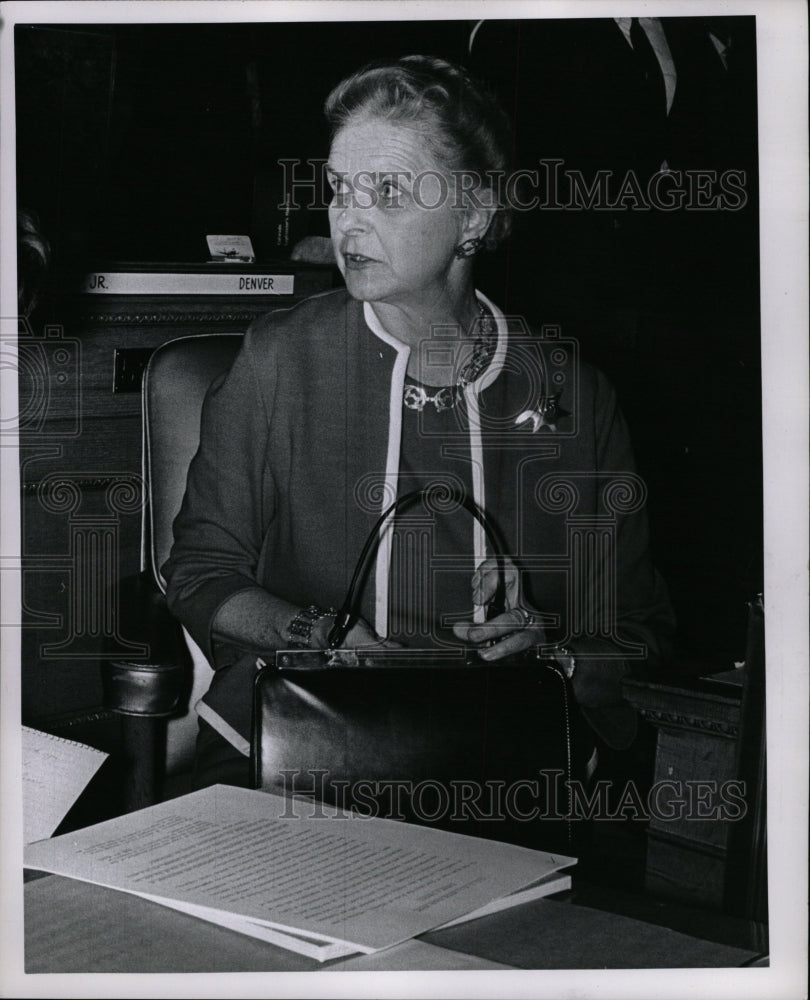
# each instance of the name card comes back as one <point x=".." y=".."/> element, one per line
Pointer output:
<point x="139" y="283"/>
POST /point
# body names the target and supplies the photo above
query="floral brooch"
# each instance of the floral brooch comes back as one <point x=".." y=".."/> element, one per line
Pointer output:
<point x="546" y="414"/>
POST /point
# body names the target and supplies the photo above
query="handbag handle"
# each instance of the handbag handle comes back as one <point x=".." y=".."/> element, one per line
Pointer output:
<point x="349" y="610"/>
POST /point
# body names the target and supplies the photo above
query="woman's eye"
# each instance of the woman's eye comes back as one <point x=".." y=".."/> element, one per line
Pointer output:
<point x="390" y="194"/>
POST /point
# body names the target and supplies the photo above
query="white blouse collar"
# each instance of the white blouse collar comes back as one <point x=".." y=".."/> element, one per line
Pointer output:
<point x="493" y="369"/>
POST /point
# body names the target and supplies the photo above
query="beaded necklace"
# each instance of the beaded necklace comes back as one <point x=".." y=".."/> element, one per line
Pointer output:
<point x="415" y="397"/>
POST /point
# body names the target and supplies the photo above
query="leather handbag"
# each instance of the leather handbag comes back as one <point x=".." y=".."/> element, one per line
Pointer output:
<point x="430" y="736"/>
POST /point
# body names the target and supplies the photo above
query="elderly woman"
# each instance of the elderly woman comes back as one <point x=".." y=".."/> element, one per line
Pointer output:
<point x="406" y="378"/>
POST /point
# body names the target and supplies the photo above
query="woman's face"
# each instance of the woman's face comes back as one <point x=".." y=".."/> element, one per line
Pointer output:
<point x="394" y="227"/>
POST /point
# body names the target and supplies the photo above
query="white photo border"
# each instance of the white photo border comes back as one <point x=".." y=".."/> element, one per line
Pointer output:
<point x="783" y="149"/>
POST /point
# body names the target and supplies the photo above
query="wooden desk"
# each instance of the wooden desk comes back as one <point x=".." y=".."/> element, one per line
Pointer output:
<point x="71" y="926"/>
<point x="698" y="851"/>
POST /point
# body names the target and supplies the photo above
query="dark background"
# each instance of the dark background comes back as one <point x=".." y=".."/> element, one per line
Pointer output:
<point x="135" y="141"/>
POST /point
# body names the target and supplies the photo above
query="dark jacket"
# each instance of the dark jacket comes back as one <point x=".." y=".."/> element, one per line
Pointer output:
<point x="299" y="455"/>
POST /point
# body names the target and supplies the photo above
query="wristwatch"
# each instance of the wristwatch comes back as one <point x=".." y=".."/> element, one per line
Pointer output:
<point x="566" y="658"/>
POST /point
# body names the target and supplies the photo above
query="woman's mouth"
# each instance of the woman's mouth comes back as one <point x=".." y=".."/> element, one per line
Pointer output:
<point x="356" y="259"/>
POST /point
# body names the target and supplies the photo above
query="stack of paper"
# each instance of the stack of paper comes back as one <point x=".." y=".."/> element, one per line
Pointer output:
<point x="55" y="773"/>
<point x="319" y="881"/>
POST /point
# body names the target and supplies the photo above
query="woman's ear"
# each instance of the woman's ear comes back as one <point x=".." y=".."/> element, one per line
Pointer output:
<point x="478" y="214"/>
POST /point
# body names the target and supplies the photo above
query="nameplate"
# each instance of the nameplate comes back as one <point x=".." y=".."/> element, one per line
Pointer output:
<point x="144" y="283"/>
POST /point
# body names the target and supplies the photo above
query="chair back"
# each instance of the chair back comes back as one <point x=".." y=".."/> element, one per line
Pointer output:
<point x="176" y="380"/>
<point x="175" y="383"/>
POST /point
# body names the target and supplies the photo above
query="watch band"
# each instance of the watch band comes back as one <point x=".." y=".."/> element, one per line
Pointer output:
<point x="299" y="631"/>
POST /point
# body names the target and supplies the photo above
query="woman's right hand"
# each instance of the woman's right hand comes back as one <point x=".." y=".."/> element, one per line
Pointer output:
<point x="516" y="629"/>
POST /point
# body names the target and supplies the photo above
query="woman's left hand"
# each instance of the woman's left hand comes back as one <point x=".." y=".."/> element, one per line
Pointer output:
<point x="516" y="629"/>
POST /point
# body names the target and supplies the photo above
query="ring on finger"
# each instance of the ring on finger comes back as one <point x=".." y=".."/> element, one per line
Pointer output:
<point x="529" y="619"/>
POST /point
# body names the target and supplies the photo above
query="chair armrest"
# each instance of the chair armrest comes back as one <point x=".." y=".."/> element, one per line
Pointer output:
<point x="145" y="691"/>
<point x="151" y="686"/>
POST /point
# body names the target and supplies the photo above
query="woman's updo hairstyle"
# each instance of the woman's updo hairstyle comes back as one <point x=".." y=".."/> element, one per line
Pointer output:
<point x="464" y="125"/>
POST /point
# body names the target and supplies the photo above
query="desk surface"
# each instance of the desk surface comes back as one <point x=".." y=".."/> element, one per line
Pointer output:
<point x="72" y="926"/>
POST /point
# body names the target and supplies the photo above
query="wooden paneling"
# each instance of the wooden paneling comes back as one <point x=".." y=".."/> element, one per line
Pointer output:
<point x="702" y="793"/>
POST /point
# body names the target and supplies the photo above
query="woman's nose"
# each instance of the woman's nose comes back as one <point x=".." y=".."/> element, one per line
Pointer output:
<point x="351" y="213"/>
